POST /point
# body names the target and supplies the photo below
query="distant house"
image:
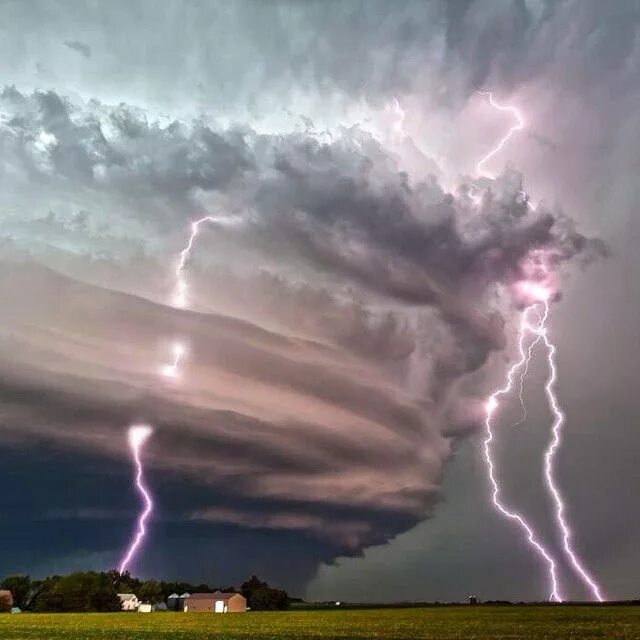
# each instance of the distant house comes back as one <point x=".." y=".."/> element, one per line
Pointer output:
<point x="217" y="602"/>
<point x="129" y="601"/>
<point x="6" y="600"/>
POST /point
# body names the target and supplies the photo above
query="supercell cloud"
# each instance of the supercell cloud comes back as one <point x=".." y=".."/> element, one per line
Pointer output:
<point x="336" y="328"/>
<point x="339" y="334"/>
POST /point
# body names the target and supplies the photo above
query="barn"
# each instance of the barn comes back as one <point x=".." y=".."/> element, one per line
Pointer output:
<point x="6" y="600"/>
<point x="217" y="602"/>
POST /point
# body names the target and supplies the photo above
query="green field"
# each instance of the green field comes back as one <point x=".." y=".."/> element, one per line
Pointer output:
<point x="481" y="623"/>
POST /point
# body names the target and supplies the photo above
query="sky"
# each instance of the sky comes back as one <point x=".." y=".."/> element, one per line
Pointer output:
<point x="350" y="307"/>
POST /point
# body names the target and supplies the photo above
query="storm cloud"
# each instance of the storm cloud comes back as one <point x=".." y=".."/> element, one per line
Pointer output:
<point x="320" y="397"/>
<point x="340" y="331"/>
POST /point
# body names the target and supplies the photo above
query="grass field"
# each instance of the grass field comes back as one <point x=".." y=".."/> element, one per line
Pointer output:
<point x="478" y="623"/>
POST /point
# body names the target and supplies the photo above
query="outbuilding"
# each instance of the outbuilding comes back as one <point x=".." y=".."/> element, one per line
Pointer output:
<point x="6" y="600"/>
<point x="217" y="602"/>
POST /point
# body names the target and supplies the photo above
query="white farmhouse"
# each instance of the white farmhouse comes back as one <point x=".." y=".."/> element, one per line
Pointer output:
<point x="129" y="601"/>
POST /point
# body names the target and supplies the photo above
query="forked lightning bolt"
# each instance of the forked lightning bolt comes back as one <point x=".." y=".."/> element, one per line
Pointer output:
<point x="540" y="295"/>
<point x="490" y="408"/>
<point x="138" y="435"/>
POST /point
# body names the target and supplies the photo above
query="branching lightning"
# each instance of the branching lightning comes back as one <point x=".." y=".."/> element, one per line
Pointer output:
<point x="537" y="293"/>
<point x="490" y="408"/>
<point x="137" y="436"/>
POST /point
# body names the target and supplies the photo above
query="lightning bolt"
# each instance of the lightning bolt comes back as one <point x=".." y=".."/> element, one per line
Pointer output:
<point x="137" y="436"/>
<point x="518" y="126"/>
<point x="140" y="433"/>
<point x="171" y="370"/>
<point x="540" y="295"/>
<point x="490" y="409"/>
<point x="180" y="298"/>
<point x="549" y="456"/>
<point x="523" y="375"/>
<point x="181" y="290"/>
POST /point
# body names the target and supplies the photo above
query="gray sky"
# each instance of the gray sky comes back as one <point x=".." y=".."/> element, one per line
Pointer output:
<point x="347" y="323"/>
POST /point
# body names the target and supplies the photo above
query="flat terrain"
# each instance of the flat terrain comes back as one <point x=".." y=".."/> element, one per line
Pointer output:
<point x="479" y="623"/>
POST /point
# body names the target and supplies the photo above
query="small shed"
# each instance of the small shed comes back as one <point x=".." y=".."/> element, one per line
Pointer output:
<point x="217" y="602"/>
<point x="145" y="608"/>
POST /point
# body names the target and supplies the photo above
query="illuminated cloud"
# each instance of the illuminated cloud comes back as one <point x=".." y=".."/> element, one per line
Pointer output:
<point x="334" y="326"/>
<point x="337" y="338"/>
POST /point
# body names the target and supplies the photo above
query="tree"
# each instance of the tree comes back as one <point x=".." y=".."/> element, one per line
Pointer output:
<point x="261" y="597"/>
<point x="79" y="592"/>
<point x="124" y="582"/>
<point x="20" y="587"/>
<point x="150" y="591"/>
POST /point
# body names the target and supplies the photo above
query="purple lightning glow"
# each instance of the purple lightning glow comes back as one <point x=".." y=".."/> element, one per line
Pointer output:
<point x="536" y="292"/>
<point x="137" y="436"/>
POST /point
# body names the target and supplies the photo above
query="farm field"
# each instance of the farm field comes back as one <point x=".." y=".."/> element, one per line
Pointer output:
<point x="443" y="623"/>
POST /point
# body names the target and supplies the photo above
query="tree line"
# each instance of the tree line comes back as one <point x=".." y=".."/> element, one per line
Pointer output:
<point x="94" y="591"/>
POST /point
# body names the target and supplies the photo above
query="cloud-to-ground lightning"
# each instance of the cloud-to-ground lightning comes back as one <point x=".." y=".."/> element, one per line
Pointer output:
<point x="137" y="436"/>
<point x="537" y="293"/>
<point x="549" y="456"/>
<point x="518" y="126"/>
<point x="490" y="408"/>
